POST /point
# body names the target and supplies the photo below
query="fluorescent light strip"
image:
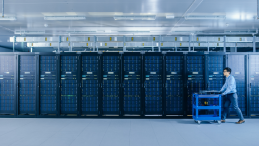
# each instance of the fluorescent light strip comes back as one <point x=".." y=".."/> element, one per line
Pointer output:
<point x="29" y="32"/>
<point x="134" y="31"/>
<point x="204" y="17"/>
<point x="7" y="18"/>
<point x="240" y="32"/>
<point x="80" y="31"/>
<point x="64" y="18"/>
<point x="169" y="17"/>
<point x="147" y="17"/>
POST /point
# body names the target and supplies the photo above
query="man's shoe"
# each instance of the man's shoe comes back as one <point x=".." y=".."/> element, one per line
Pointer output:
<point x="223" y="121"/>
<point x="240" y="122"/>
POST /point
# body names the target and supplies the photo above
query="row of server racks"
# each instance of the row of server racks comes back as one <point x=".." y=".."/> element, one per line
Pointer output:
<point x="121" y="84"/>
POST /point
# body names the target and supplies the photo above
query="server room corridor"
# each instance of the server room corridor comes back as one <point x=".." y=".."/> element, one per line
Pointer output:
<point x="129" y="72"/>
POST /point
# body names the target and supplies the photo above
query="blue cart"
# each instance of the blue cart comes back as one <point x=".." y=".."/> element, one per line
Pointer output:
<point x="208" y="101"/>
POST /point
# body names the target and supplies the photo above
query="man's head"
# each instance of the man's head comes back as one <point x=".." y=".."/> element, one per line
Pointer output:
<point x="227" y="71"/>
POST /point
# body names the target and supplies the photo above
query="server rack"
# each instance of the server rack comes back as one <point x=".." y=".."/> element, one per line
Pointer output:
<point x="28" y="93"/>
<point x="7" y="85"/>
<point x="132" y="83"/>
<point x="215" y="79"/>
<point x="48" y="84"/>
<point x="27" y="85"/>
<point x="196" y="76"/>
<point x="90" y="84"/>
<point x="174" y="83"/>
<point x="153" y="83"/>
<point x="69" y="87"/>
<point x="111" y="83"/>
<point x="253" y="85"/>
<point x="238" y="65"/>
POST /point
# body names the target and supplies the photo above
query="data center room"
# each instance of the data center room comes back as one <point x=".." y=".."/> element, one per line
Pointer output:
<point x="129" y="73"/>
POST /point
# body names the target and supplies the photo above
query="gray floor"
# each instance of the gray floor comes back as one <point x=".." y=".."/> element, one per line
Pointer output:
<point x="126" y="132"/>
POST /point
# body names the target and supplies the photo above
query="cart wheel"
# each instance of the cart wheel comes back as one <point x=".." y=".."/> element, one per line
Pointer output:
<point x="219" y="122"/>
<point x="199" y="122"/>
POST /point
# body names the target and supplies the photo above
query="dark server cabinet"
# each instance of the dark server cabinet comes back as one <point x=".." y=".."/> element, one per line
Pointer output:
<point x="132" y="85"/>
<point x="215" y="78"/>
<point x="111" y="65"/>
<point x="153" y="83"/>
<point x="237" y="63"/>
<point x="90" y="84"/>
<point x="254" y="84"/>
<point x="121" y="83"/>
<point x="48" y="85"/>
<point x="195" y="81"/>
<point x="216" y="64"/>
<point x="69" y="80"/>
<point x="7" y="92"/>
<point x="27" y="85"/>
<point x="174" y="70"/>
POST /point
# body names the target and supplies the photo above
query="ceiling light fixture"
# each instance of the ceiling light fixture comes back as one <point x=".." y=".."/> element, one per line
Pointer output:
<point x="169" y="17"/>
<point x="134" y="31"/>
<point x="64" y="18"/>
<point x="241" y="31"/>
<point x="204" y="17"/>
<point x="142" y="17"/>
<point x="28" y="32"/>
<point x="73" y="32"/>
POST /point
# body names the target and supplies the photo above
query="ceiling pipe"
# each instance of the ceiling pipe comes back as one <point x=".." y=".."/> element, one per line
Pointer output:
<point x="3" y="9"/>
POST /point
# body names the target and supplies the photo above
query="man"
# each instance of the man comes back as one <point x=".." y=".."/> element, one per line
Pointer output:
<point x="230" y="96"/>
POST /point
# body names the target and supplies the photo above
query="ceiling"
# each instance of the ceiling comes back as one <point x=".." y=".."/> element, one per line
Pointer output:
<point x="240" y="15"/>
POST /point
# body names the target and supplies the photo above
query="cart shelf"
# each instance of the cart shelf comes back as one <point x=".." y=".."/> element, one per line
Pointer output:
<point x="215" y="106"/>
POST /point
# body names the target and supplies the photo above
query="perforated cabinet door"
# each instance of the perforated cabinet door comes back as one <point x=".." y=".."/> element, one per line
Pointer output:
<point x="7" y="90"/>
<point x="48" y="85"/>
<point x="27" y="85"/>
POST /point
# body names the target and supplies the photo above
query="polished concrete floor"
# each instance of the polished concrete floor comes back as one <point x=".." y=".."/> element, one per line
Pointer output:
<point x="126" y="132"/>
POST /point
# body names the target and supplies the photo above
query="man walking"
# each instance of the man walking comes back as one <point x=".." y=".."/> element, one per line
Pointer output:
<point x="230" y="96"/>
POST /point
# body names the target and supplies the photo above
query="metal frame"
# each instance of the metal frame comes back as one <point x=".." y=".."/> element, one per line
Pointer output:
<point x="139" y="41"/>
